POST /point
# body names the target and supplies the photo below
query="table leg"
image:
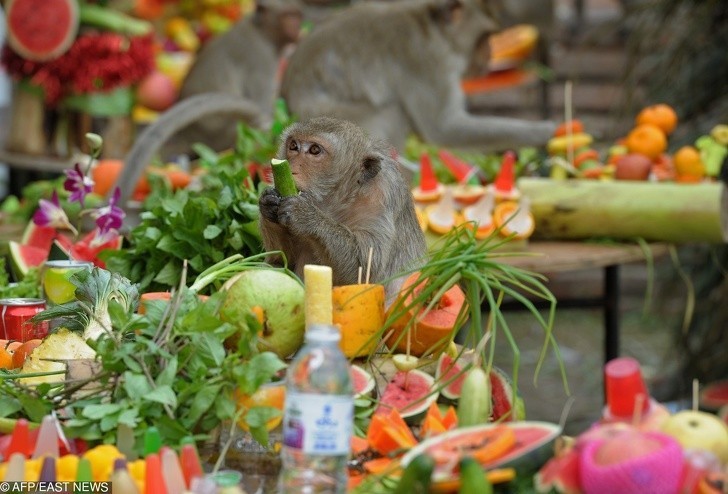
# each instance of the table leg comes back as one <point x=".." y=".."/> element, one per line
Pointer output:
<point x="611" y="312"/>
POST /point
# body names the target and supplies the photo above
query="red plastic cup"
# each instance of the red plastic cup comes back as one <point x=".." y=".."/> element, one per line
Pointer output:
<point x="624" y="383"/>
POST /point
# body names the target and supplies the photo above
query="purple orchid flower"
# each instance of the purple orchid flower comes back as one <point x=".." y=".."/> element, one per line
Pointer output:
<point x="110" y="217"/>
<point x="78" y="184"/>
<point x="50" y="213"/>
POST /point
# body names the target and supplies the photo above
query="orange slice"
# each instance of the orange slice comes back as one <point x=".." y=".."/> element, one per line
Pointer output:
<point x="514" y="219"/>
<point x="467" y="194"/>
<point x="443" y="216"/>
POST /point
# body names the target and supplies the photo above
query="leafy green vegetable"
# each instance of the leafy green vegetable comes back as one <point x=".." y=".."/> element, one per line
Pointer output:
<point x="168" y="367"/>
<point x="203" y="227"/>
<point x="28" y="287"/>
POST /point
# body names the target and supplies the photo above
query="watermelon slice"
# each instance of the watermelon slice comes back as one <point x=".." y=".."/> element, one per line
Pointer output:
<point x="505" y="405"/>
<point x="24" y="257"/>
<point x="533" y="447"/>
<point x="361" y="381"/>
<point x="410" y="393"/>
<point x="41" y="30"/>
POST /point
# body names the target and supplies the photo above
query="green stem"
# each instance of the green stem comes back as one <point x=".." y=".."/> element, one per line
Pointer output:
<point x="112" y="20"/>
<point x="7" y="425"/>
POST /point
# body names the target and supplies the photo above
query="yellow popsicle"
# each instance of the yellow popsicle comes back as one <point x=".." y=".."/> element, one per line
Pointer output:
<point x="317" y="286"/>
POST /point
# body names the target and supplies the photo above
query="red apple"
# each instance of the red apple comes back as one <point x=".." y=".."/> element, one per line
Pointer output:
<point x="633" y="166"/>
<point x="157" y="91"/>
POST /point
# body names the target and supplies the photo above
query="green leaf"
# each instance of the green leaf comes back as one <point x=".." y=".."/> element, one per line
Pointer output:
<point x="256" y="418"/>
<point x="170" y="273"/>
<point x="34" y="408"/>
<point x="97" y="412"/>
<point x="201" y="403"/>
<point x="129" y="417"/>
<point x="210" y="349"/>
<point x="163" y="395"/>
<point x="109" y="422"/>
<point x="167" y="376"/>
<point x="212" y="231"/>
<point x="136" y="385"/>
<point x="259" y="370"/>
<point x="9" y="406"/>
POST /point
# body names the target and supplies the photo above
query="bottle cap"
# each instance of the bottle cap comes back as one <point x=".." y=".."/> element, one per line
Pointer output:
<point x="323" y="333"/>
<point x="623" y="382"/>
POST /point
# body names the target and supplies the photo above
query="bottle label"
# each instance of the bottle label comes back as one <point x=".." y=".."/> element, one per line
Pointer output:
<point x="318" y="424"/>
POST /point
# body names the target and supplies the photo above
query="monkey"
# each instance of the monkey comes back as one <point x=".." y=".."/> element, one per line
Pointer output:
<point x="352" y="198"/>
<point x="395" y="68"/>
<point x="243" y="62"/>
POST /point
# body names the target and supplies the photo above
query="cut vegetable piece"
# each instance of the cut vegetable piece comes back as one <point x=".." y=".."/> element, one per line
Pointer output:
<point x="283" y="178"/>
<point x="467" y="194"/>
<point x="505" y="181"/>
<point x="461" y="170"/>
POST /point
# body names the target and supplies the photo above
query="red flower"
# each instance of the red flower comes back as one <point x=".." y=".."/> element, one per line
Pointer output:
<point x="96" y="62"/>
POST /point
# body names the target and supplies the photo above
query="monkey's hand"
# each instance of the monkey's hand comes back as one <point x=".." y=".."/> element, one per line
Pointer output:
<point x="300" y="214"/>
<point x="269" y="203"/>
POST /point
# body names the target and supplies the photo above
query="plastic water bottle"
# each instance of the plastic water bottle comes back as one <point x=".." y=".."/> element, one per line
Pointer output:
<point x="318" y="417"/>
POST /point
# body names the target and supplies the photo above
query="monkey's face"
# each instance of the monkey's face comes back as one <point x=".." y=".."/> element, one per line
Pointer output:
<point x="310" y="160"/>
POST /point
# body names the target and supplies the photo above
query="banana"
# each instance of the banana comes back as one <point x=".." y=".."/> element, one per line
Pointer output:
<point x="475" y="399"/>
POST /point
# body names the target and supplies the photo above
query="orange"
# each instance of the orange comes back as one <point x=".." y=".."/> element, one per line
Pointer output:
<point x="660" y="115"/>
<point x="270" y="395"/>
<point x="22" y="352"/>
<point x="646" y="139"/>
<point x="104" y="175"/>
<point x="6" y="359"/>
<point x="687" y="163"/>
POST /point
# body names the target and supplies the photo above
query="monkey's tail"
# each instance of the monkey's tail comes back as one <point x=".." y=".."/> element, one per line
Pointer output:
<point x="179" y="116"/>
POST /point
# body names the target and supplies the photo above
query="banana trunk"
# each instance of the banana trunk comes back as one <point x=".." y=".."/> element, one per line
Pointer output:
<point x="625" y="210"/>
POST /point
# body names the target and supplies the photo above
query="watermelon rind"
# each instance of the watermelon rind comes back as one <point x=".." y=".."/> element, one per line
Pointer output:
<point x="526" y="457"/>
<point x="714" y="395"/>
<point x="363" y="382"/>
<point x="416" y="407"/>
<point x="31" y="22"/>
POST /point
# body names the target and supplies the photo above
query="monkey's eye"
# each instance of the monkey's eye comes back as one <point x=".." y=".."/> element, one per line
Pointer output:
<point x="293" y="146"/>
<point x="315" y="149"/>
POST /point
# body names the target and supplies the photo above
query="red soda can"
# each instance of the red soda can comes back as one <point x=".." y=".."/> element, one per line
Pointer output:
<point x="16" y="313"/>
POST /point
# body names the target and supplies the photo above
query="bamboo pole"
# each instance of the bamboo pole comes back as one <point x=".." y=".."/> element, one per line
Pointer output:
<point x="625" y="210"/>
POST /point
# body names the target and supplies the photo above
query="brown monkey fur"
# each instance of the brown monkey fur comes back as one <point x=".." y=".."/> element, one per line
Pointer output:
<point x="395" y="68"/>
<point x="242" y="62"/>
<point x="351" y="198"/>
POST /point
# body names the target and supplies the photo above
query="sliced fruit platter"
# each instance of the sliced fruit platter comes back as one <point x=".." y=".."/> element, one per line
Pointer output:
<point x="498" y="208"/>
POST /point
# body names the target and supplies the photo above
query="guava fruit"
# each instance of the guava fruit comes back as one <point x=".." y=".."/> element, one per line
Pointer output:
<point x="281" y="298"/>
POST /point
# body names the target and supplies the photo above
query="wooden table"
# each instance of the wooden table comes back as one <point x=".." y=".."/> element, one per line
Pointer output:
<point x="560" y="257"/>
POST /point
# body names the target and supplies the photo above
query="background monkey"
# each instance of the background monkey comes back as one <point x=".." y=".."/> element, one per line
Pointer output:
<point x="395" y="68"/>
<point x="242" y="62"/>
<point x="352" y="197"/>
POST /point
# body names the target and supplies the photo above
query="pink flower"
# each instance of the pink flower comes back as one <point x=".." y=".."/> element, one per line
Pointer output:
<point x="78" y="184"/>
<point x="110" y="217"/>
<point x="50" y="213"/>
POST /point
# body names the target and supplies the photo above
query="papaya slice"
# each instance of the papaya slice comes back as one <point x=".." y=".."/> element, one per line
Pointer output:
<point x="450" y="419"/>
<point x="430" y="332"/>
<point x="389" y="432"/>
<point x="485" y="447"/>
<point x="358" y="445"/>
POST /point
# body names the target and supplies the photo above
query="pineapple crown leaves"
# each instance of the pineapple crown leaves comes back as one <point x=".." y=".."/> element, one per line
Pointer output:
<point x="95" y="290"/>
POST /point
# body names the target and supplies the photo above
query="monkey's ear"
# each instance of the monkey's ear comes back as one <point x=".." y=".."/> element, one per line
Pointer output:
<point x="447" y="11"/>
<point x="369" y="169"/>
